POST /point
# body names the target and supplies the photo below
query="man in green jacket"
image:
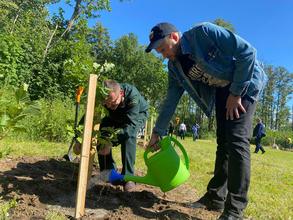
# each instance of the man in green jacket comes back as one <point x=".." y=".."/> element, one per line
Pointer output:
<point x="128" y="111"/>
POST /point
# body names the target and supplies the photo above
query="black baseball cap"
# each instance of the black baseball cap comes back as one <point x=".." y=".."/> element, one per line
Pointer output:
<point x="158" y="33"/>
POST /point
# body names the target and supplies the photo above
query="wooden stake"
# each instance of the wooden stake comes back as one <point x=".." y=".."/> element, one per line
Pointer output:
<point x="92" y="154"/>
<point x="145" y="133"/>
<point x="86" y="144"/>
<point x="152" y="122"/>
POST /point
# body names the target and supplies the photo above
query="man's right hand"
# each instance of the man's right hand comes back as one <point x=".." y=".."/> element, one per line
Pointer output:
<point x="153" y="142"/>
<point x="77" y="148"/>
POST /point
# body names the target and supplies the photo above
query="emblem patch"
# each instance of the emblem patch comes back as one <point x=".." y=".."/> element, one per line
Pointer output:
<point x="133" y="102"/>
<point x="151" y="35"/>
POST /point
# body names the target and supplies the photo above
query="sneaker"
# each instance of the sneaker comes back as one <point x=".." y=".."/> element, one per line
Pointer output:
<point x="263" y="152"/>
<point x="202" y="202"/>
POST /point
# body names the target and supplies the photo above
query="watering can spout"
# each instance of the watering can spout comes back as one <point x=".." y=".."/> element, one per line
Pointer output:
<point x="113" y="176"/>
<point x="147" y="179"/>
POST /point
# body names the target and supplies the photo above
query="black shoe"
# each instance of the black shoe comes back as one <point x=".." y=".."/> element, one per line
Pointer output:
<point x="226" y="216"/>
<point x="203" y="202"/>
<point x="263" y="152"/>
<point x="255" y="152"/>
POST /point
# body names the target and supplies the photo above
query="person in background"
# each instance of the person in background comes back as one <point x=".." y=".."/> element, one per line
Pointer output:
<point x="195" y="131"/>
<point x="214" y="66"/>
<point x="258" y="134"/>
<point x="128" y="111"/>
<point x="171" y="128"/>
<point x="182" y="130"/>
<point x="289" y="143"/>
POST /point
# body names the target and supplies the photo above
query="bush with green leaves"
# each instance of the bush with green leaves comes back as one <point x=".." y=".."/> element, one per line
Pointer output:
<point x="12" y="113"/>
<point x="52" y="124"/>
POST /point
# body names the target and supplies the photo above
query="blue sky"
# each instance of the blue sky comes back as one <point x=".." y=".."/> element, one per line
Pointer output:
<point x="267" y="25"/>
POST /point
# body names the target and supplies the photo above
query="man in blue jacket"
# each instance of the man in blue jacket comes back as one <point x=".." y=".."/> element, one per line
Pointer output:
<point x="258" y="134"/>
<point x="215" y="66"/>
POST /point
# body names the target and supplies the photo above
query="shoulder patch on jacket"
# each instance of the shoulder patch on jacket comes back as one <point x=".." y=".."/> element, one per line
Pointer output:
<point x="133" y="102"/>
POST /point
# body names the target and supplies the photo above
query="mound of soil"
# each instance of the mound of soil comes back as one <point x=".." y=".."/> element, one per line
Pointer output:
<point x="42" y="185"/>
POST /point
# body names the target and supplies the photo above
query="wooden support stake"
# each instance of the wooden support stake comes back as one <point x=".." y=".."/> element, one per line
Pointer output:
<point x="145" y="133"/>
<point x="152" y="122"/>
<point x="92" y="154"/>
<point x="85" y="150"/>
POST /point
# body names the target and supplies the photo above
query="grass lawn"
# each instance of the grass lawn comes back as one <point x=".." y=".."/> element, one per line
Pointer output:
<point x="271" y="188"/>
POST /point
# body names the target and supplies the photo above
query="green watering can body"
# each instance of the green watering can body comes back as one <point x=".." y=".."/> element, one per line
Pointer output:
<point x="165" y="168"/>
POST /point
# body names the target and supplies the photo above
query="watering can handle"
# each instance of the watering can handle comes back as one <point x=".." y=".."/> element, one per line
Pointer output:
<point x="183" y="151"/>
<point x="149" y="150"/>
<point x="178" y="144"/>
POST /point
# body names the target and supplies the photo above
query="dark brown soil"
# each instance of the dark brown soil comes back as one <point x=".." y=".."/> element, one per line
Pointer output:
<point x="43" y="185"/>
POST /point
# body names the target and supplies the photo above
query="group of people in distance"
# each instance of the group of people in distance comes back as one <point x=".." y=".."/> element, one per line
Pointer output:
<point x="215" y="67"/>
<point x="183" y="129"/>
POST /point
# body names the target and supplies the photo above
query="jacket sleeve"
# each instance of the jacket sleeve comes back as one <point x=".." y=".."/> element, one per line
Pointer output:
<point x="174" y="93"/>
<point x="239" y="50"/>
<point x="133" y="121"/>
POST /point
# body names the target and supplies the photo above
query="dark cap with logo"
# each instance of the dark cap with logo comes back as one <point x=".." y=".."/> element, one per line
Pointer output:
<point x="158" y="34"/>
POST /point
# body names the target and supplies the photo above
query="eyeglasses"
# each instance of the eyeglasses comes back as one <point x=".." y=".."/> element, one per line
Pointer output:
<point x="112" y="103"/>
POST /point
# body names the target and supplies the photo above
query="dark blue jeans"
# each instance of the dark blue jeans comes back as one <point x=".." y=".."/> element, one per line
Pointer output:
<point x="182" y="134"/>
<point x="194" y="136"/>
<point x="229" y="186"/>
<point x="258" y="145"/>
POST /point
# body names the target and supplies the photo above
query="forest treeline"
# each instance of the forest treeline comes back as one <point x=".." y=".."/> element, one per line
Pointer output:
<point x="54" y="56"/>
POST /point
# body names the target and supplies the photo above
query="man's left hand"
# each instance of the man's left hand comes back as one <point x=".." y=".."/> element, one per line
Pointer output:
<point x="232" y="105"/>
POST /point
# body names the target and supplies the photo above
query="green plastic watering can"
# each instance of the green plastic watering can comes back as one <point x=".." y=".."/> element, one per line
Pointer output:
<point x="165" y="168"/>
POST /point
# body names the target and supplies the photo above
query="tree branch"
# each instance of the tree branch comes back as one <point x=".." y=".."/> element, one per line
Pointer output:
<point x="5" y="133"/>
<point x="15" y="19"/>
<point x="75" y="15"/>
<point x="49" y="42"/>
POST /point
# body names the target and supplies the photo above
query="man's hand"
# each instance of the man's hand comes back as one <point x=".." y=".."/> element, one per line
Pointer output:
<point x="232" y="105"/>
<point x="106" y="149"/>
<point x="153" y="142"/>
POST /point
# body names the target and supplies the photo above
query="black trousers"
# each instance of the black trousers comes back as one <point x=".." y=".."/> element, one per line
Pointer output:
<point x="128" y="148"/>
<point x="128" y="151"/>
<point x="258" y="145"/>
<point x="231" y="180"/>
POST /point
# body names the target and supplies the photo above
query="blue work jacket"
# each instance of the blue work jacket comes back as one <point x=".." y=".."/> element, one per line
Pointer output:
<point x="259" y="130"/>
<point x="219" y="53"/>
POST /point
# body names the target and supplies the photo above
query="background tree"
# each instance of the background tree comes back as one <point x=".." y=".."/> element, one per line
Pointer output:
<point x="146" y="71"/>
<point x="273" y="105"/>
<point x="99" y="37"/>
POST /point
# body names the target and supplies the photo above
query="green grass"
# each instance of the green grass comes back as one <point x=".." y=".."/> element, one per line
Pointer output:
<point x="271" y="188"/>
<point x="30" y="148"/>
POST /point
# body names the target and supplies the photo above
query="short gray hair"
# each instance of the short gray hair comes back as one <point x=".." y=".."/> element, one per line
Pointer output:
<point x="112" y="84"/>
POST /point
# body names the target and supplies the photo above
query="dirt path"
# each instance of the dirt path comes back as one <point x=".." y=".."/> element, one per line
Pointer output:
<point x="43" y="184"/>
